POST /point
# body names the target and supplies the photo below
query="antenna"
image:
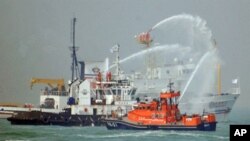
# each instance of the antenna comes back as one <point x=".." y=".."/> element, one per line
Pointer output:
<point x="170" y="85"/>
<point x="74" y="65"/>
<point x="115" y="49"/>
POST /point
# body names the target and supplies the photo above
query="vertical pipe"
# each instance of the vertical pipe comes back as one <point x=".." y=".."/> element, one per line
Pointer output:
<point x="82" y="71"/>
<point x="219" y="78"/>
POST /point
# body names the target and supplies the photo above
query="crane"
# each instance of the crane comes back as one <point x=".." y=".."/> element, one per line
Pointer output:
<point x="58" y="82"/>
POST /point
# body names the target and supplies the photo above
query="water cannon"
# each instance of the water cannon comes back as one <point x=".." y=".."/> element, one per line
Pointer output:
<point x="144" y="38"/>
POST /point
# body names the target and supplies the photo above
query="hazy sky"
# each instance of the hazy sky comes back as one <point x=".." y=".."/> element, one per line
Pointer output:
<point x="35" y="36"/>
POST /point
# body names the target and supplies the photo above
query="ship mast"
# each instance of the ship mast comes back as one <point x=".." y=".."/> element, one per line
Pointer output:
<point x="115" y="49"/>
<point x="74" y="65"/>
<point x="218" y="67"/>
<point x="146" y="39"/>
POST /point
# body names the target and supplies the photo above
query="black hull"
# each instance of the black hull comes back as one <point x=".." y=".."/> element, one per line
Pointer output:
<point x="61" y="119"/>
<point x="120" y="124"/>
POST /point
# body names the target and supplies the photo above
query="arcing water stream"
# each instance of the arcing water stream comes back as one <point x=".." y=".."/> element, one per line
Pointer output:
<point x="193" y="74"/>
<point x="182" y="37"/>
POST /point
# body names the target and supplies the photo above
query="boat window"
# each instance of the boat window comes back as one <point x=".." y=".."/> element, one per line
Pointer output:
<point x="49" y="103"/>
<point x="119" y="92"/>
<point x="108" y="92"/>
<point x="129" y="92"/>
<point x="114" y="91"/>
<point x="132" y="92"/>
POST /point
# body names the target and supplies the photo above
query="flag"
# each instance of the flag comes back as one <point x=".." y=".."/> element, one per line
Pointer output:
<point x="235" y="81"/>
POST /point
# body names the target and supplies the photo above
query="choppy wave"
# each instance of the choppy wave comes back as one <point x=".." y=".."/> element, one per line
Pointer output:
<point x="142" y="134"/>
<point x="17" y="140"/>
<point x="50" y="133"/>
<point x="20" y="133"/>
<point x="117" y="135"/>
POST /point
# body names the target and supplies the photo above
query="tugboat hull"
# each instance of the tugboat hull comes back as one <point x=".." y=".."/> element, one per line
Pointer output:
<point x="62" y="119"/>
<point x="119" y="124"/>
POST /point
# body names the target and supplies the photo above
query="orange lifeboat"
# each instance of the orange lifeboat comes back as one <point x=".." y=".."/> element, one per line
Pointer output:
<point x="163" y="114"/>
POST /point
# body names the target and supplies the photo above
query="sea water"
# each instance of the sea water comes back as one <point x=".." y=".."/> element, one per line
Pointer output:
<point x="10" y="132"/>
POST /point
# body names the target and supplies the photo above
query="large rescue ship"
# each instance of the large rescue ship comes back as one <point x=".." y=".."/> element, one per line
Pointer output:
<point x="162" y="114"/>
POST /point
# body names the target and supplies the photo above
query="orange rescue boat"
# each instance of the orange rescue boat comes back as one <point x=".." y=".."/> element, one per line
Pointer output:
<point x="162" y="115"/>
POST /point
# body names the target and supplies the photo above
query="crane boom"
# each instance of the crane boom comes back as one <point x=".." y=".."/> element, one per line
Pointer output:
<point x="51" y="82"/>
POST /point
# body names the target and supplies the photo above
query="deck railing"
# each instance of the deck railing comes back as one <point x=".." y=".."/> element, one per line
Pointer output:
<point x="55" y="93"/>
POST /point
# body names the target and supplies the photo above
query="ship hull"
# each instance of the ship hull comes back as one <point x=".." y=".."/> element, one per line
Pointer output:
<point x="220" y="105"/>
<point x="5" y="114"/>
<point x="62" y="119"/>
<point x="123" y="125"/>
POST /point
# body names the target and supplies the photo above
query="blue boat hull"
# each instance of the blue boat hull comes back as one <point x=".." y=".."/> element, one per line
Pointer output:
<point x="119" y="124"/>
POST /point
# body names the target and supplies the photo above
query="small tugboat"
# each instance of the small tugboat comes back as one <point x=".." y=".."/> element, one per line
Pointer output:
<point x="161" y="115"/>
<point x="88" y="99"/>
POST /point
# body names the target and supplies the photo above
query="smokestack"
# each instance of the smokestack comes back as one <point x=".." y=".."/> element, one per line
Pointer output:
<point x="82" y="71"/>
